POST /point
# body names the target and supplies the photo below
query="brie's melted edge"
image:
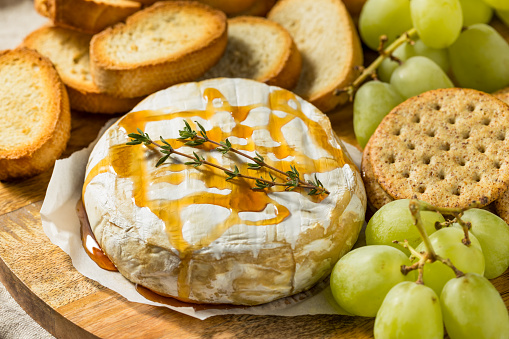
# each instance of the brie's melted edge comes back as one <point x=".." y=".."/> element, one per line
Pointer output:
<point x="109" y="198"/>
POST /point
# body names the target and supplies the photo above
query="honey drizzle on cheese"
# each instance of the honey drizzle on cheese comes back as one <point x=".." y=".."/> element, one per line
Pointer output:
<point x="92" y="248"/>
<point x="129" y="162"/>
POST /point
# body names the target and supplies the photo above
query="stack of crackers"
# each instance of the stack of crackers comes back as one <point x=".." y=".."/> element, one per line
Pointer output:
<point x="448" y="147"/>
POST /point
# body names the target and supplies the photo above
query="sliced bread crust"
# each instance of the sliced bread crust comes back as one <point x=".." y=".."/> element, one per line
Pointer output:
<point x="259" y="8"/>
<point x="230" y="7"/>
<point x="147" y="2"/>
<point x="90" y="16"/>
<point x="236" y="7"/>
<point x="35" y="112"/>
<point x="258" y="49"/>
<point x="167" y="43"/>
<point x="69" y="52"/>
<point x="326" y="37"/>
<point x="354" y="6"/>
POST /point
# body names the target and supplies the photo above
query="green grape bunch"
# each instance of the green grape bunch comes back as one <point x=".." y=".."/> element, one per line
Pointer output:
<point x="426" y="45"/>
<point x="439" y="277"/>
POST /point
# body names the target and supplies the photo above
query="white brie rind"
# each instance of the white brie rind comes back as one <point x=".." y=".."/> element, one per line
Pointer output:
<point x="188" y="233"/>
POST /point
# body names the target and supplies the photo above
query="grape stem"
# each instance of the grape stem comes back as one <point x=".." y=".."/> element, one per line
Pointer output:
<point x="415" y="207"/>
<point x="447" y="223"/>
<point x="457" y="213"/>
<point x="466" y="227"/>
<point x="430" y="255"/>
<point x="423" y="259"/>
<point x="454" y="268"/>
<point x="416" y="266"/>
<point x="412" y="250"/>
<point x="370" y="71"/>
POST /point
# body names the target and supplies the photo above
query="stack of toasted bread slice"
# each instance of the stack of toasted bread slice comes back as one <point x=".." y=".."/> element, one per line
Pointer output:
<point x="241" y="7"/>
<point x="230" y="7"/>
<point x="69" y="52"/>
<point x="327" y="39"/>
<point x="177" y="41"/>
<point x="308" y="45"/>
<point x="259" y="49"/>
<point x="259" y="8"/>
<point x="90" y="16"/>
<point x="35" y="114"/>
<point x="167" y="43"/>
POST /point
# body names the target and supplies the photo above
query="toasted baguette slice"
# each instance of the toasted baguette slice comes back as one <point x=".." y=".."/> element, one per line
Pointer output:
<point x="354" y="6"/>
<point x="329" y="44"/>
<point x="68" y="50"/>
<point x="237" y="7"/>
<point x="90" y="16"/>
<point x="147" y="2"/>
<point x="259" y="8"/>
<point x="230" y="7"/>
<point x="167" y="43"/>
<point x="258" y="49"/>
<point x="35" y="114"/>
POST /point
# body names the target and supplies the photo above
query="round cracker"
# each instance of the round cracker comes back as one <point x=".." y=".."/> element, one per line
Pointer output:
<point x="503" y="95"/>
<point x="447" y="147"/>
<point x="501" y="205"/>
<point x="377" y="197"/>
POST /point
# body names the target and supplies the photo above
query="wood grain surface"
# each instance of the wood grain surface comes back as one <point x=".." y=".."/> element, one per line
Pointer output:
<point x="43" y="281"/>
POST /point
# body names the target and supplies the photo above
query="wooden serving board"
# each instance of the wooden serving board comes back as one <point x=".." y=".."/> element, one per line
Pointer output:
<point x="41" y="278"/>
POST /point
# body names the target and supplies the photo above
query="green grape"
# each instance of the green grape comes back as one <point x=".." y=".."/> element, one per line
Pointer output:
<point x="473" y="309"/>
<point x="504" y="16"/>
<point x="383" y="17"/>
<point x="406" y="51"/>
<point x="493" y="235"/>
<point x="394" y="222"/>
<point x="327" y="294"/>
<point x="388" y="66"/>
<point x="475" y="12"/>
<point x="409" y="310"/>
<point x="439" y="56"/>
<point x="361" y="279"/>
<point x="447" y="244"/>
<point x="480" y="59"/>
<point x="438" y="22"/>
<point x="418" y="75"/>
<point x="372" y="102"/>
<point x="498" y="4"/>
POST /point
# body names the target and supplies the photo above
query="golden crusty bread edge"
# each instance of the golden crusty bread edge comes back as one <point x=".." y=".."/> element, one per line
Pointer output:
<point x="41" y="153"/>
<point x="88" y="16"/>
<point x="135" y="80"/>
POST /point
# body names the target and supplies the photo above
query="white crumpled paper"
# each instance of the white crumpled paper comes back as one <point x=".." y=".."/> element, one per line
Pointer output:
<point x="62" y="226"/>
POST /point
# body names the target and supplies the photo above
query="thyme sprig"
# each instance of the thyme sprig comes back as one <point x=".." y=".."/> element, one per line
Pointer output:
<point x="293" y="181"/>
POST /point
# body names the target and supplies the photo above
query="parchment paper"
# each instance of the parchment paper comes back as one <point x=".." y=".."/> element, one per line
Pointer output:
<point x="61" y="224"/>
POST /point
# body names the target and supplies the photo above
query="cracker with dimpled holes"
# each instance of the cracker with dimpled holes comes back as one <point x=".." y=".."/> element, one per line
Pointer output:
<point x="502" y="204"/>
<point x="503" y="95"/>
<point x="377" y="197"/>
<point x="447" y="147"/>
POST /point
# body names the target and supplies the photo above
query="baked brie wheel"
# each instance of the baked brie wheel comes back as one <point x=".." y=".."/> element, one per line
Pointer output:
<point x="187" y="232"/>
